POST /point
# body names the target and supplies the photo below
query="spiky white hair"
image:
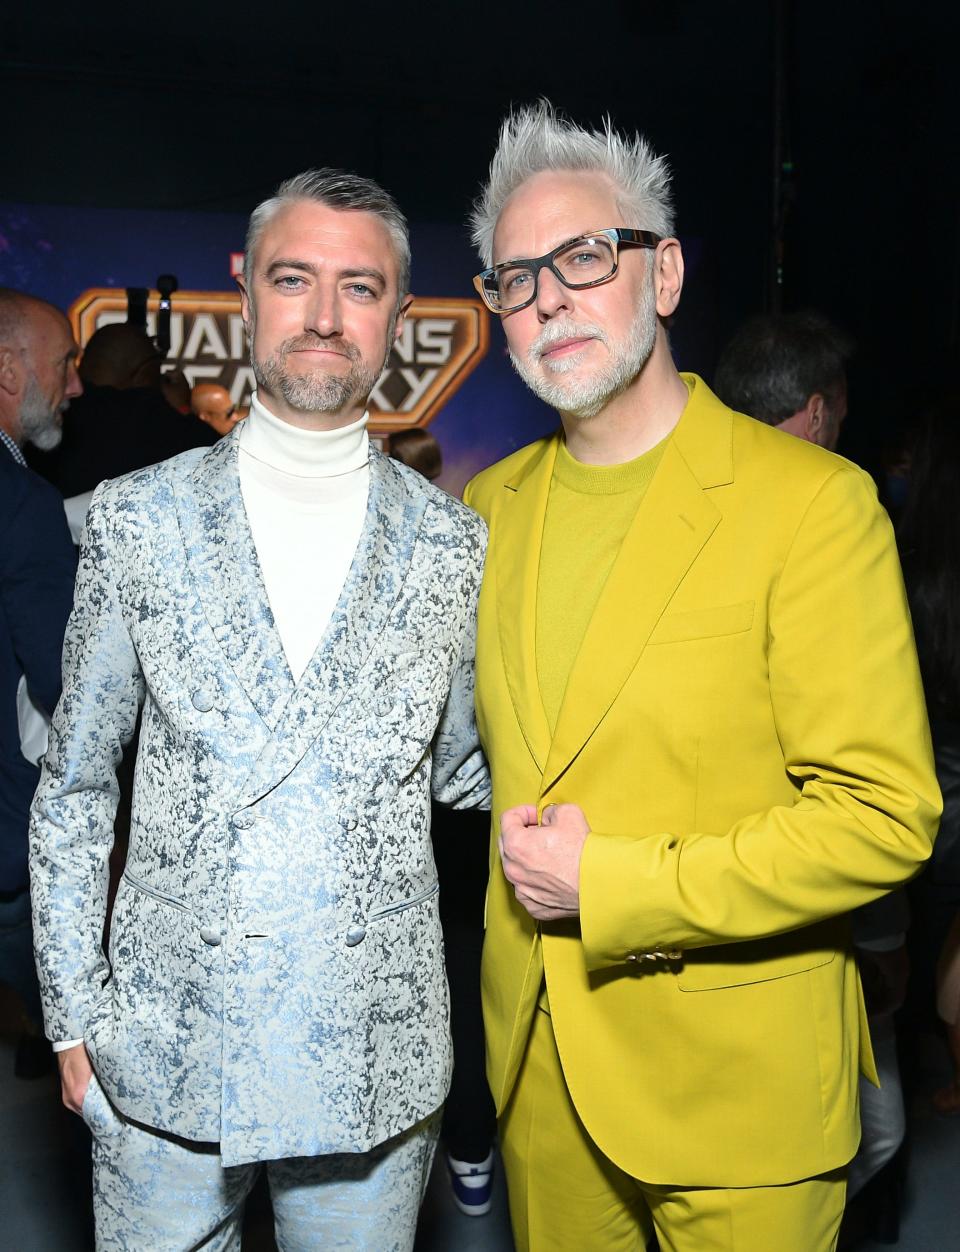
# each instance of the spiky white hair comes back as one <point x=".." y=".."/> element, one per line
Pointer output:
<point x="537" y="138"/>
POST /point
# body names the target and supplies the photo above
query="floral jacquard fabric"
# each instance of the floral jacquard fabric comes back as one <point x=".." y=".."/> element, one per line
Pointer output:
<point x="275" y="975"/>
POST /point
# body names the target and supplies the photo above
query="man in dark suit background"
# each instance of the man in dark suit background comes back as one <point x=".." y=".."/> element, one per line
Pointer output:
<point x="38" y="378"/>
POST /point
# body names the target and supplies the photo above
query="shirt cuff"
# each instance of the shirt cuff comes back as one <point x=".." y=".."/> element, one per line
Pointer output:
<point x="65" y="1043"/>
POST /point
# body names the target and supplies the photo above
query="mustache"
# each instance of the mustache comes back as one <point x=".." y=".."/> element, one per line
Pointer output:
<point x="554" y="332"/>
<point x="308" y="342"/>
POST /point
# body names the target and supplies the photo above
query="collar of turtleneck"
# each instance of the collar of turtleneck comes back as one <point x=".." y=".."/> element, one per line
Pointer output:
<point x="303" y="453"/>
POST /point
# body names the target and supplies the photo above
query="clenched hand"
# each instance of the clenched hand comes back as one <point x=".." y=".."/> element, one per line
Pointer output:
<point x="542" y="861"/>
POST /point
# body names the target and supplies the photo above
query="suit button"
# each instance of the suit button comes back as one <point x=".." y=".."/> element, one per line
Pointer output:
<point x="349" y="818"/>
<point x="383" y="706"/>
<point x="203" y="699"/>
<point x="213" y="937"/>
<point x="355" y="935"/>
<point x="243" y="820"/>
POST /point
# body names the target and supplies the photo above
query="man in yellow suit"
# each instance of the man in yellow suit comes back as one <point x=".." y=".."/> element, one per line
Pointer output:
<point x="698" y="691"/>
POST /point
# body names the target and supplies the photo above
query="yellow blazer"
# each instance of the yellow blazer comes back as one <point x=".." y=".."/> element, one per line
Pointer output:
<point x="745" y="730"/>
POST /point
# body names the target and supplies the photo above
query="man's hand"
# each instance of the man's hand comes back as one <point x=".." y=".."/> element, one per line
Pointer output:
<point x="543" y="861"/>
<point x="75" y="1074"/>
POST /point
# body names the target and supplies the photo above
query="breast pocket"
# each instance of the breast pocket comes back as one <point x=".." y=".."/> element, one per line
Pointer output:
<point x="725" y="619"/>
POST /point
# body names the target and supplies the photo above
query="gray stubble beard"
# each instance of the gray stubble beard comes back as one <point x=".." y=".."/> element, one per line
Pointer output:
<point x="316" y="392"/>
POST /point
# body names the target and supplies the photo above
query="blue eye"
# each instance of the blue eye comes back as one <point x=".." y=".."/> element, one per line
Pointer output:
<point x="515" y="281"/>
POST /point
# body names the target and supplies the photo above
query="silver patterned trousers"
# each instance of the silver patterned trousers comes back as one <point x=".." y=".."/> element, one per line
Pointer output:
<point x="154" y="1192"/>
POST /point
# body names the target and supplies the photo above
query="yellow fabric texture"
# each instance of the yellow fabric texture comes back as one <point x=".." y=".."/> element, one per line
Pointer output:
<point x="589" y="511"/>
<point x="744" y="728"/>
<point x="564" y="1193"/>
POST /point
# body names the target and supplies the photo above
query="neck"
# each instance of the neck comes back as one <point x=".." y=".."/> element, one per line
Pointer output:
<point x="301" y="452"/>
<point x="278" y="408"/>
<point x="634" y="421"/>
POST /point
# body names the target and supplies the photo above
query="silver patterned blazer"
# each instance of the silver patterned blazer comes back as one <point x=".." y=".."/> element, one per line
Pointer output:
<point x="275" y="976"/>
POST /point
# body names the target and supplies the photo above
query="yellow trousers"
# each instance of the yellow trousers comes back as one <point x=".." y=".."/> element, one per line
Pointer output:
<point x="566" y="1196"/>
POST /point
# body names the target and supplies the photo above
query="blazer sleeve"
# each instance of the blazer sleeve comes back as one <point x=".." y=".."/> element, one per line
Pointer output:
<point x="848" y="705"/>
<point x="37" y="588"/>
<point x="71" y="824"/>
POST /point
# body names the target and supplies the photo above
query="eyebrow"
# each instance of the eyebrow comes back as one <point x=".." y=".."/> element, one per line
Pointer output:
<point x="518" y="260"/>
<point x="355" y="271"/>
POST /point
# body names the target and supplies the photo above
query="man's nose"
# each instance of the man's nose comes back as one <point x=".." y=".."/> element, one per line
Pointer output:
<point x="552" y="296"/>
<point x="322" y="314"/>
<point x="74" y="385"/>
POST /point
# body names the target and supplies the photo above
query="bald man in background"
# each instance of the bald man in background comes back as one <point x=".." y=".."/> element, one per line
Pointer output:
<point x="38" y="380"/>
<point x="212" y="404"/>
<point x="122" y="422"/>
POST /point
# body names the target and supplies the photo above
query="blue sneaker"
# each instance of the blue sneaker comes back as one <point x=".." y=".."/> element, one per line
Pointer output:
<point x="472" y="1184"/>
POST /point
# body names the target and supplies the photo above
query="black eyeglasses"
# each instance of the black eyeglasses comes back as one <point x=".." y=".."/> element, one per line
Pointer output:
<point x="581" y="262"/>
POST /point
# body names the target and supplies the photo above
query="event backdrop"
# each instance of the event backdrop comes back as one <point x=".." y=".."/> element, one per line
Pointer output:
<point x="449" y="370"/>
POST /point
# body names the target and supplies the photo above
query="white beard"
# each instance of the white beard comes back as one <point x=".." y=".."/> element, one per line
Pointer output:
<point x="586" y="396"/>
<point x="38" y="422"/>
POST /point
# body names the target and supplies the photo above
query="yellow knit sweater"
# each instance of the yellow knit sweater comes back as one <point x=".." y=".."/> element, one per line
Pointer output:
<point x="589" y="511"/>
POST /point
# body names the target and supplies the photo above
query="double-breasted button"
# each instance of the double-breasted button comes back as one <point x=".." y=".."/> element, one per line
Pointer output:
<point x="210" y="936"/>
<point x="383" y="706"/>
<point x="243" y="820"/>
<point x="204" y="698"/>
<point x="632" y="956"/>
<point x="355" y="935"/>
<point x="349" y="818"/>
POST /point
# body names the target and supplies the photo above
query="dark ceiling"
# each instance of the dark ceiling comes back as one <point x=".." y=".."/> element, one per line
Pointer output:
<point x="208" y="108"/>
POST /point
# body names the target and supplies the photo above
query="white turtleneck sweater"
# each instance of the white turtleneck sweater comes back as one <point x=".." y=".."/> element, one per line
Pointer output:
<point x="305" y="494"/>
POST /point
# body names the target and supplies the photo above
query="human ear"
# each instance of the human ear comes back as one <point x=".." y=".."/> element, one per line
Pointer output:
<point x="815" y="416"/>
<point x="668" y="276"/>
<point x="402" y="312"/>
<point x="246" y="306"/>
<point x="10" y="372"/>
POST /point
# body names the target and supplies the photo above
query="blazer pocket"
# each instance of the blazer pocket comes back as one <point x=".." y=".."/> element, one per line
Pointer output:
<point x="154" y="893"/>
<point x="401" y="906"/>
<point x="756" y="960"/>
<point x="727" y="619"/>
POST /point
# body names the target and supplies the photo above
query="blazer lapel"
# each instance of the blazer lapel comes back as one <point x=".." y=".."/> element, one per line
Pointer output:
<point x="222" y="560"/>
<point x="370" y="592"/>
<point x="674" y="521"/>
<point x="520" y="531"/>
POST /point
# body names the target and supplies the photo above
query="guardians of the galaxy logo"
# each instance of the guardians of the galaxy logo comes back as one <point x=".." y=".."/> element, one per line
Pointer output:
<point x="441" y="342"/>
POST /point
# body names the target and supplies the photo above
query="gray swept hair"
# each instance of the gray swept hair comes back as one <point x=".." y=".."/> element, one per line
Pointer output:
<point x="536" y="138"/>
<point x="338" y="190"/>
<point x="776" y="362"/>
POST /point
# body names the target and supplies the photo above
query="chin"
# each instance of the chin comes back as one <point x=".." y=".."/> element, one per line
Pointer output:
<point x="47" y="440"/>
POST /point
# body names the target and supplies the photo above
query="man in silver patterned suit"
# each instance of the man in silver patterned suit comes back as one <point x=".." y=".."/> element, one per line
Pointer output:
<point x="294" y="614"/>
